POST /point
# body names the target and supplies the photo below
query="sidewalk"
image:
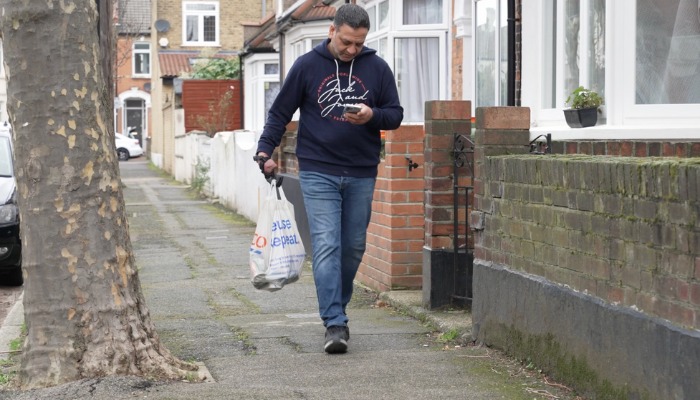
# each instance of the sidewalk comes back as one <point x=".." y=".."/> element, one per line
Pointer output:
<point x="193" y="264"/>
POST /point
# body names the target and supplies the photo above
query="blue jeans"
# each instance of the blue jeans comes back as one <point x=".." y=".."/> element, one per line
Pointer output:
<point x="339" y="209"/>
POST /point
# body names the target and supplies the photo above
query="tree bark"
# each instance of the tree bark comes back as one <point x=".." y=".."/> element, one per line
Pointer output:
<point x="84" y="309"/>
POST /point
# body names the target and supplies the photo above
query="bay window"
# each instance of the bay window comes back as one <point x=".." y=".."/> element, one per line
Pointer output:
<point x="411" y="36"/>
<point x="642" y="56"/>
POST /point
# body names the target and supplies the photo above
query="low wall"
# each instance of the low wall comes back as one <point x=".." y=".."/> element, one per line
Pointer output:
<point x="590" y="267"/>
<point x="232" y="177"/>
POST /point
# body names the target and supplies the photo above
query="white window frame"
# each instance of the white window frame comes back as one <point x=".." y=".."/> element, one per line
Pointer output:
<point x="300" y="41"/>
<point x="201" y="14"/>
<point x="624" y="118"/>
<point x="396" y="30"/>
<point x="134" y="52"/>
<point x="255" y="81"/>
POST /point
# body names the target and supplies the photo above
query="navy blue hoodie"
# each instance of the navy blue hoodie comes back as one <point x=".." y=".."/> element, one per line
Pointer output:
<point x="319" y="85"/>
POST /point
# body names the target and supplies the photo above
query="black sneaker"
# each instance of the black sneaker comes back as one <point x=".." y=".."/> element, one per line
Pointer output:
<point x="336" y="339"/>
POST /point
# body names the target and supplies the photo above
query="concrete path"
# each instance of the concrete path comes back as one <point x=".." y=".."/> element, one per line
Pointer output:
<point x="193" y="264"/>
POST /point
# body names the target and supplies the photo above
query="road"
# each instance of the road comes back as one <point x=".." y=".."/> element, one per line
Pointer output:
<point x="8" y="297"/>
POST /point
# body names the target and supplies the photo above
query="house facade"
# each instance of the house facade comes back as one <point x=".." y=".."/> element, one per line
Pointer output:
<point x="642" y="56"/>
<point x="185" y="32"/>
<point x="132" y="80"/>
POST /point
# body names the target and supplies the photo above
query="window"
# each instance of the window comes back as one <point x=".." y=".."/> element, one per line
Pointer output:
<point x="261" y="85"/>
<point x="200" y="23"/>
<point x="416" y="68"/>
<point x="643" y="56"/>
<point x="303" y="39"/>
<point x="411" y="35"/>
<point x="418" y="12"/>
<point x="141" y="59"/>
<point x="576" y="52"/>
<point x="378" y="16"/>
<point x="271" y="85"/>
<point x="668" y="52"/>
<point x="491" y="53"/>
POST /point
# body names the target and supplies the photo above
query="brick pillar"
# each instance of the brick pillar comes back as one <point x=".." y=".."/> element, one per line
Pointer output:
<point x="442" y="120"/>
<point x="499" y="131"/>
<point x="395" y="233"/>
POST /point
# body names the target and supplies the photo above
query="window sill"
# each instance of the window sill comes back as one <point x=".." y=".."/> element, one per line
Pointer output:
<point x="607" y="132"/>
<point x="202" y="44"/>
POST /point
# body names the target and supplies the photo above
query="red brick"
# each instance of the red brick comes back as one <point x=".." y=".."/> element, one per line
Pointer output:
<point x="694" y="289"/>
<point x="694" y="150"/>
<point x="406" y="133"/>
<point x="585" y="148"/>
<point x="497" y="137"/>
<point x="613" y="148"/>
<point x="448" y="109"/>
<point x="503" y="118"/>
<point x="640" y="149"/>
<point x="626" y="149"/>
<point x="410" y="184"/>
<point x="668" y="149"/>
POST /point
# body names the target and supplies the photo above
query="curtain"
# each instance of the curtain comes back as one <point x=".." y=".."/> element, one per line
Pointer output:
<point x="668" y="52"/>
<point x="417" y="73"/>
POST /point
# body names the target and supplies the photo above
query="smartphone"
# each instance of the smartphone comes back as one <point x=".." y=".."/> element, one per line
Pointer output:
<point x="351" y="108"/>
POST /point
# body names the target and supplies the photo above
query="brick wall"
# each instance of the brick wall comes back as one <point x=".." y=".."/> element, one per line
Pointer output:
<point x="589" y="265"/>
<point x="393" y="259"/>
<point x="628" y="148"/>
<point x="231" y="14"/>
<point x="621" y="229"/>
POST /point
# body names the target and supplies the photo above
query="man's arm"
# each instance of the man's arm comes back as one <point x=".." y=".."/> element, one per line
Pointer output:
<point x="388" y="113"/>
<point x="286" y="103"/>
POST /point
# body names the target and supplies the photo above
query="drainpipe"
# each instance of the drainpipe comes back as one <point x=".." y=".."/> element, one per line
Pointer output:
<point x="241" y="88"/>
<point x="511" y="53"/>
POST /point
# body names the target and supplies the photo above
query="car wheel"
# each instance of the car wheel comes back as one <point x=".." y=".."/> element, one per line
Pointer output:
<point x="13" y="277"/>
<point x="123" y="154"/>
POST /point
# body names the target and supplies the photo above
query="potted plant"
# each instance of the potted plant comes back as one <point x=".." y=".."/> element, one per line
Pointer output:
<point x="584" y="105"/>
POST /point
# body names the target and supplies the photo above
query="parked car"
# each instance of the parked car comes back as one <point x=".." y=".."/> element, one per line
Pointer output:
<point x="127" y="147"/>
<point x="10" y="243"/>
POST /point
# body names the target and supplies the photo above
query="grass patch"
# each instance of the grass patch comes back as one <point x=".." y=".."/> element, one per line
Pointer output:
<point x="449" y="336"/>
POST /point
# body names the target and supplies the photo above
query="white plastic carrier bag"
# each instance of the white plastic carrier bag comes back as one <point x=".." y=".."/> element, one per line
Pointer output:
<point x="276" y="253"/>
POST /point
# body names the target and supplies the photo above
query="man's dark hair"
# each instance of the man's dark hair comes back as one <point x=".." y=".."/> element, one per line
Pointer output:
<point x="351" y="15"/>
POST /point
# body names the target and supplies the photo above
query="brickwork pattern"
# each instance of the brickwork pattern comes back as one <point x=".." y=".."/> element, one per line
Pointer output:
<point x="393" y="259"/>
<point x="629" y="148"/>
<point x="231" y="13"/>
<point x="442" y="120"/>
<point x="622" y="229"/>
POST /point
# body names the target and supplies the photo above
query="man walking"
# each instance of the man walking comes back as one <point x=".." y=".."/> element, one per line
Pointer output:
<point x="338" y="153"/>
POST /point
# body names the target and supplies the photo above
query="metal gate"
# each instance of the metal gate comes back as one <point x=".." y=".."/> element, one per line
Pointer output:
<point x="462" y="240"/>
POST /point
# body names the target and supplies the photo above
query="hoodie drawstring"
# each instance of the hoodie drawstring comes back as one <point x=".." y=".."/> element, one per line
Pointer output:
<point x="337" y="74"/>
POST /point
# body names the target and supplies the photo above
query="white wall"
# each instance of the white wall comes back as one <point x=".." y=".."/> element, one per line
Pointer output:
<point x="234" y="178"/>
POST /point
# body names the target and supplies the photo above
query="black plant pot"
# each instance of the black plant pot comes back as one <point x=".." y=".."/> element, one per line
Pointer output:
<point x="581" y="117"/>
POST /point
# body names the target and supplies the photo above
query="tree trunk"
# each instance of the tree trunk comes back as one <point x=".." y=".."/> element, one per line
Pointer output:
<point x="84" y="310"/>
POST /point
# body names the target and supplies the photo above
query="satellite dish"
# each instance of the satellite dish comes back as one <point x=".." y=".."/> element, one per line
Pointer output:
<point x="162" y="25"/>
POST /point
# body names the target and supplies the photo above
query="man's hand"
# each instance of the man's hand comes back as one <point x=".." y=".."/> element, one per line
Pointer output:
<point x="266" y="164"/>
<point x="361" y="117"/>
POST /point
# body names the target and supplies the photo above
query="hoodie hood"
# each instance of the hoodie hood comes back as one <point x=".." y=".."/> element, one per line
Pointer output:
<point x="319" y="86"/>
